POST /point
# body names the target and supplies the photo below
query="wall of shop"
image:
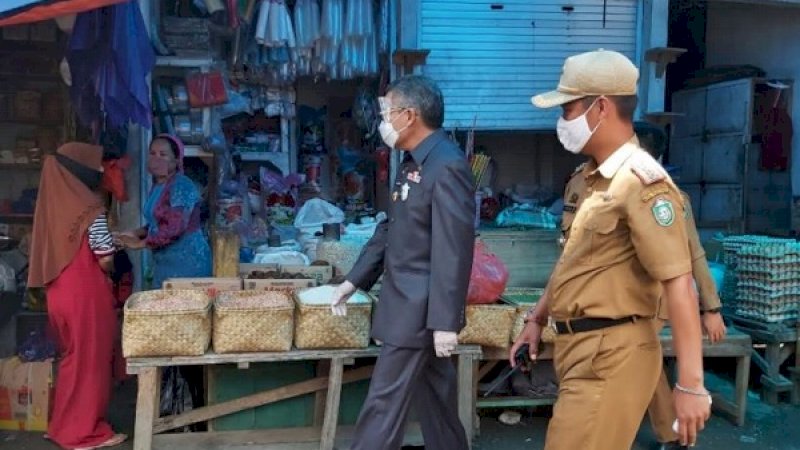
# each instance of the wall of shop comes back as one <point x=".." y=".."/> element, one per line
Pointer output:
<point x="772" y="42"/>
<point x="528" y="158"/>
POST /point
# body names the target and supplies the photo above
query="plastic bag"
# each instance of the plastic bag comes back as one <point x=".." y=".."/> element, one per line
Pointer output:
<point x="489" y="276"/>
<point x="527" y="216"/>
<point x="316" y="212"/>
<point x="175" y="395"/>
<point x="206" y="89"/>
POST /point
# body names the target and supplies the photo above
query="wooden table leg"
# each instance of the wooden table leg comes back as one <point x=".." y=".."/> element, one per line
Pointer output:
<point x="773" y="357"/>
<point x="742" y="382"/>
<point x="323" y="369"/>
<point x="332" y="404"/>
<point x="147" y="403"/>
<point x="466" y="394"/>
<point x="796" y="373"/>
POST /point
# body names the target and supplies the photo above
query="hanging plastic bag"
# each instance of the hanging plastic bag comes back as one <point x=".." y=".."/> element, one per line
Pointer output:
<point x="206" y="89"/>
<point x="489" y="276"/>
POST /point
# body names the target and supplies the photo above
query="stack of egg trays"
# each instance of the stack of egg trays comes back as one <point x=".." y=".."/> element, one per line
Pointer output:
<point x="768" y="279"/>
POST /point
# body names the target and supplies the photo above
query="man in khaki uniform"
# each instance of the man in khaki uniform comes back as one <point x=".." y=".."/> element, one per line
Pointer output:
<point x="661" y="411"/>
<point x="626" y="246"/>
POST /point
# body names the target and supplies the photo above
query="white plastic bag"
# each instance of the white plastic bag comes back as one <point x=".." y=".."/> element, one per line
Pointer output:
<point x="282" y="258"/>
<point x="317" y="212"/>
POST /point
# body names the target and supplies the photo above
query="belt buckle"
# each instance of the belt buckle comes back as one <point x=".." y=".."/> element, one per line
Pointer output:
<point x="552" y="324"/>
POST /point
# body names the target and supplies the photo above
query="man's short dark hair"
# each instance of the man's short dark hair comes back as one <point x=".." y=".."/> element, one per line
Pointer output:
<point x="626" y="104"/>
<point x="421" y="94"/>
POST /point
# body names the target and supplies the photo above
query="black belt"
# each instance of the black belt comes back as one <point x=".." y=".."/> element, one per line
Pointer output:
<point x="589" y="324"/>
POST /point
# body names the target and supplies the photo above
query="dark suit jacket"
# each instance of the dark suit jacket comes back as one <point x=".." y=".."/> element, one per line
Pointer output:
<point x="425" y="249"/>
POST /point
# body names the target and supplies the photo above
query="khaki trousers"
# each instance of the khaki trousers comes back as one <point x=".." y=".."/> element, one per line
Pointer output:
<point x="607" y="378"/>
<point x="661" y="411"/>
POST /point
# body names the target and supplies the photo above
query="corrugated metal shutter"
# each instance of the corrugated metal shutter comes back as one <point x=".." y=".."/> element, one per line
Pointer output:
<point x="490" y="57"/>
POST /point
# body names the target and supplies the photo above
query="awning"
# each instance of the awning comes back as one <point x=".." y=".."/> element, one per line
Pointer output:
<point x="15" y="12"/>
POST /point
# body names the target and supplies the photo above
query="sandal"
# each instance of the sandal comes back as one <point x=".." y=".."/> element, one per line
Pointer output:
<point x="111" y="442"/>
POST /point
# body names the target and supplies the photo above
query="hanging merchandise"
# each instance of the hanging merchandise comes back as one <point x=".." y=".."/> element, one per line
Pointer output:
<point x="307" y="31"/>
<point x="359" y="22"/>
<point x="110" y="58"/>
<point x="331" y="36"/>
<point x="274" y="28"/>
<point x="383" y="26"/>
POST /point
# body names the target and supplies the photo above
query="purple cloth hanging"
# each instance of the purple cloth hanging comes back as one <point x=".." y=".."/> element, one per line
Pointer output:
<point x="110" y="56"/>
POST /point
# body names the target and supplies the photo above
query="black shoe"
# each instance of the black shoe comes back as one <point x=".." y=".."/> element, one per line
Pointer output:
<point x="672" y="446"/>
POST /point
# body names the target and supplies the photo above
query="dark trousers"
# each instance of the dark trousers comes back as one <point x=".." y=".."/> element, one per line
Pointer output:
<point x="406" y="376"/>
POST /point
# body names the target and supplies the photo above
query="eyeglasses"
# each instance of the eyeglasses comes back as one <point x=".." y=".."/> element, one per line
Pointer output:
<point x="386" y="114"/>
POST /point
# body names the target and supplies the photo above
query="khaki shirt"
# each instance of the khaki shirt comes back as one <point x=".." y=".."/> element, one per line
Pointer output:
<point x="707" y="289"/>
<point x="625" y="233"/>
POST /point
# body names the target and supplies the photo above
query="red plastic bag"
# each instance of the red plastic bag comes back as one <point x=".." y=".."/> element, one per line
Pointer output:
<point x="489" y="276"/>
<point x="206" y="89"/>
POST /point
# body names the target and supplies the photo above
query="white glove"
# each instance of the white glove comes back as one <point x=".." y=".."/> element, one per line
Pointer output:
<point x="445" y="343"/>
<point x="341" y="294"/>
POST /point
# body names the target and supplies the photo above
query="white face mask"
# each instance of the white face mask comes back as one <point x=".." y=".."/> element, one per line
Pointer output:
<point x="389" y="134"/>
<point x="575" y="133"/>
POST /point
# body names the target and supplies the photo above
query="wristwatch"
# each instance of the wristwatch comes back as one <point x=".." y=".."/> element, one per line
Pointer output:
<point x="528" y="317"/>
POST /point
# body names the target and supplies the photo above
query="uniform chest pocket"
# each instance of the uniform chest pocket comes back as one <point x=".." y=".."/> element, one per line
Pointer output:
<point x="602" y="223"/>
<point x="605" y="233"/>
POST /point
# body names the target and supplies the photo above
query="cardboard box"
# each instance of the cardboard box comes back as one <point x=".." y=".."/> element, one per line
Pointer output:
<point x="24" y="394"/>
<point x="269" y="285"/>
<point x="322" y="274"/>
<point x="210" y="285"/>
<point x="247" y="269"/>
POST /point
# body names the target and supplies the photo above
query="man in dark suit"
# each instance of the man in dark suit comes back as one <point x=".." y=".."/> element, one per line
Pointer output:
<point x="424" y="252"/>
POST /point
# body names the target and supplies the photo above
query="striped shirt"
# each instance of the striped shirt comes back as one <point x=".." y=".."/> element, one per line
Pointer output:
<point x="100" y="240"/>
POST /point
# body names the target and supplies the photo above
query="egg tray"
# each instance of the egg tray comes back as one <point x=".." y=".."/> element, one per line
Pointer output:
<point x="769" y="318"/>
<point x="770" y="277"/>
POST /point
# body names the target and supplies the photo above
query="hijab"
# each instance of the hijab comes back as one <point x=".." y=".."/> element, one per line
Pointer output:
<point x="177" y="147"/>
<point x="65" y="208"/>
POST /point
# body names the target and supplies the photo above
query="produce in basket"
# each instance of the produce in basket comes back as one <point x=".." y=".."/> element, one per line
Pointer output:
<point x="166" y="323"/>
<point x="316" y="327"/>
<point x="322" y="296"/>
<point x="253" y="321"/>
<point x="249" y="299"/>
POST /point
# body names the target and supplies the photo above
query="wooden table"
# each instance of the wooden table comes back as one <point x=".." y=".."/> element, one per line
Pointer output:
<point x="736" y="345"/>
<point x="779" y="342"/>
<point x="148" y="422"/>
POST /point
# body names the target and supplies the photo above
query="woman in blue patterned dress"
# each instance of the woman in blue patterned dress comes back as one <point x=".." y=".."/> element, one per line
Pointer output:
<point x="174" y="231"/>
<point x="175" y="236"/>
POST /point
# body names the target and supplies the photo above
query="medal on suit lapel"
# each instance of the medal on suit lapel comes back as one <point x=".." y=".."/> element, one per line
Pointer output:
<point x="414" y="177"/>
<point x="394" y="196"/>
<point x="404" y="191"/>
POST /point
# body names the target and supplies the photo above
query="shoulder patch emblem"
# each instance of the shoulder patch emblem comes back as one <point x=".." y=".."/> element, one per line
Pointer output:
<point x="654" y="191"/>
<point x="664" y="212"/>
<point x="573" y="198"/>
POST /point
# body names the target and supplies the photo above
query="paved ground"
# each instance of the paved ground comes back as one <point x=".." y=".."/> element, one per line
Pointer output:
<point x="767" y="428"/>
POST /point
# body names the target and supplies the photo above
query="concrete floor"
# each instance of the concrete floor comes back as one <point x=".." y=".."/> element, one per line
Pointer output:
<point x="767" y="428"/>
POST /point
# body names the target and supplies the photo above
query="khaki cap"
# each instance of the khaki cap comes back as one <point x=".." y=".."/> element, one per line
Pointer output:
<point x="601" y="72"/>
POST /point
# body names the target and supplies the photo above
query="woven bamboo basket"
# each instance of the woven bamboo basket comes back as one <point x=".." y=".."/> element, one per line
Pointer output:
<point x="253" y="321"/>
<point x="180" y="330"/>
<point x="548" y="334"/>
<point x="488" y="325"/>
<point x="315" y="327"/>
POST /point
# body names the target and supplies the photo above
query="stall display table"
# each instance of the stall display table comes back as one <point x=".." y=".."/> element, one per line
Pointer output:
<point x="736" y="345"/>
<point x="148" y="423"/>
<point x="779" y="341"/>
